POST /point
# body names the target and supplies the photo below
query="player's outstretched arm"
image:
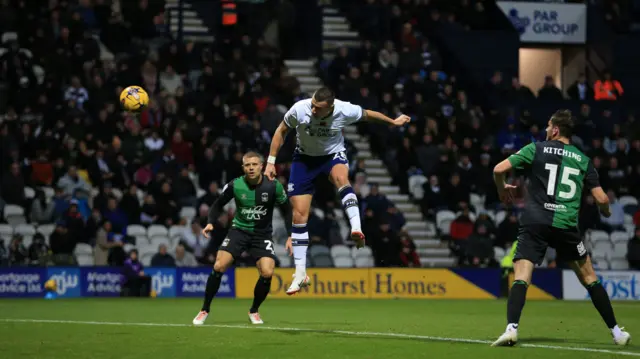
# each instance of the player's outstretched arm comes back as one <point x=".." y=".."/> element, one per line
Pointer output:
<point x="217" y="207"/>
<point x="602" y="200"/>
<point x="375" y="115"/>
<point x="276" y="142"/>
<point x="505" y="190"/>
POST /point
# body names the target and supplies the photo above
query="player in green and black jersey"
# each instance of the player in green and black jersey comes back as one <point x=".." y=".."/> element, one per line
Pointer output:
<point x="557" y="173"/>
<point x="256" y="197"/>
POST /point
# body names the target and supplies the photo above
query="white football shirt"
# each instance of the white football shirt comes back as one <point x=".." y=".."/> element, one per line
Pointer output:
<point x="321" y="136"/>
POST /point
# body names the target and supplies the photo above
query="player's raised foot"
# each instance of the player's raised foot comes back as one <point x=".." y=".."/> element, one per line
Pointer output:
<point x="358" y="238"/>
<point x="508" y="339"/>
<point x="254" y="318"/>
<point x="623" y="338"/>
<point x="298" y="284"/>
<point x="200" y="318"/>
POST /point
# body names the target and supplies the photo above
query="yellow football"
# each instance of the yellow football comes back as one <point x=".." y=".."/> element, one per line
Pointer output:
<point x="134" y="99"/>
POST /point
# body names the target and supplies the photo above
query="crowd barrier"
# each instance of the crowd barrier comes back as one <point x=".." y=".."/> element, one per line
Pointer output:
<point x="370" y="283"/>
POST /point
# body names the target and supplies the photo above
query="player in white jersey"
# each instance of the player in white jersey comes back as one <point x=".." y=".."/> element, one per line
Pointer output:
<point x="320" y="151"/>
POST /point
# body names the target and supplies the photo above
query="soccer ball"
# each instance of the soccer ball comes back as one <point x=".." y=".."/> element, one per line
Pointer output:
<point x="134" y="99"/>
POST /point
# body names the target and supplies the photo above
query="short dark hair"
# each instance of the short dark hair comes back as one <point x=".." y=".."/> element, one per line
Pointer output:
<point x="324" y="94"/>
<point x="564" y="121"/>
<point x="253" y="154"/>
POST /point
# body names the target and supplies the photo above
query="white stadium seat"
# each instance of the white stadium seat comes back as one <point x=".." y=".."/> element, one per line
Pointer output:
<point x="157" y="230"/>
<point x="343" y="262"/>
<point x="29" y="192"/>
<point x="500" y="216"/>
<point x="619" y="236"/>
<point x="340" y="251"/>
<point x="285" y="261"/>
<point x="620" y="250"/>
<point x="6" y="230"/>
<point x="176" y="231"/>
<point x="26" y="241"/>
<point x="85" y="260"/>
<point x="628" y="219"/>
<point x="361" y="252"/>
<point x="364" y="262"/>
<point x="46" y="229"/>
<point x="444" y="215"/>
<point x="498" y="253"/>
<point x="83" y="248"/>
<point x="25" y="229"/>
<point x="602" y="249"/>
<point x="619" y="264"/>
<point x="598" y="236"/>
<point x="628" y="200"/>
<point x="280" y="250"/>
<point x="188" y="212"/>
<point x="146" y="259"/>
<point x="136" y="230"/>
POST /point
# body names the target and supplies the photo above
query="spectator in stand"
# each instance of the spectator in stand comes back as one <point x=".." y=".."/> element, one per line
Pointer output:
<point x="114" y="214"/>
<point x="479" y="248"/>
<point x="457" y="193"/>
<point x="434" y="199"/>
<point x="42" y="211"/>
<point x="18" y="254"/>
<point x="408" y="256"/>
<point x="460" y="229"/>
<point x="39" y="251"/>
<point x="162" y="258"/>
<point x="507" y="231"/>
<point x="71" y="182"/>
<point x="194" y="241"/>
<point x="184" y="258"/>
<point x="377" y="201"/>
<point x="633" y="250"/>
<point x="549" y="91"/>
<point x="13" y="184"/>
<point x="62" y="245"/>
<point x="616" y="221"/>
<point x="580" y="90"/>
<point x="607" y="89"/>
<point x="135" y="282"/>
<point x="386" y="246"/>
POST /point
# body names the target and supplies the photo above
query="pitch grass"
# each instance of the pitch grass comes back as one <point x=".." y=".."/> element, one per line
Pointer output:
<point x="336" y="329"/>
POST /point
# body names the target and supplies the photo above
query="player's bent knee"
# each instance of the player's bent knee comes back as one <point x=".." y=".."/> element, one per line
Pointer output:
<point x="266" y="273"/>
<point x="220" y="267"/>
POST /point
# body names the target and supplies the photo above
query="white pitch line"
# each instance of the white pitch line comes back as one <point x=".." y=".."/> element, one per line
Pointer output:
<point x="343" y="332"/>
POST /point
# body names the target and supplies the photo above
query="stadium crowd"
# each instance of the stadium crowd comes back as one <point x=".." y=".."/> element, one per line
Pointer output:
<point x="103" y="179"/>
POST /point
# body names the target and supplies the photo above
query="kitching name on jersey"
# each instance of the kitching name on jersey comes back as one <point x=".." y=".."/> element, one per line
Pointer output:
<point x="321" y="136"/>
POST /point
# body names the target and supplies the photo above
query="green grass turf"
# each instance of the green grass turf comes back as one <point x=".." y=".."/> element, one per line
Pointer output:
<point x="556" y="323"/>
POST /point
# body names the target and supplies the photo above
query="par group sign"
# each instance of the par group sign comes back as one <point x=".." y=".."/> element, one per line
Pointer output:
<point x="539" y="22"/>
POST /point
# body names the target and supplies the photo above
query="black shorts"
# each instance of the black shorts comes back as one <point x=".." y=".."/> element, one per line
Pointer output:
<point x="533" y="241"/>
<point x="238" y="241"/>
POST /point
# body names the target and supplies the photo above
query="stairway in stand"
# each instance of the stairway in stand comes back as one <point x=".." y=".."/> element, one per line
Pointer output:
<point x="194" y="28"/>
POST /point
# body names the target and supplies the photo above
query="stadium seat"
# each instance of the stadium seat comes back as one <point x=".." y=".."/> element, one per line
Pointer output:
<point x="602" y="249"/>
<point x="158" y="240"/>
<point x="14" y="215"/>
<point x="136" y="230"/>
<point x="415" y="186"/>
<point x="116" y="193"/>
<point x="26" y="241"/>
<point x="46" y="229"/>
<point x="200" y="192"/>
<point x="128" y="247"/>
<point x="6" y="230"/>
<point x="48" y="192"/>
<point x="628" y="219"/>
<point x="142" y="240"/>
<point x="140" y="195"/>
<point x="619" y="236"/>
<point x="361" y="252"/>
<point x="157" y="230"/>
<point x="285" y="261"/>
<point x="146" y="248"/>
<point x="340" y="251"/>
<point x="500" y="216"/>
<point x="628" y="200"/>
<point x="343" y="262"/>
<point x="188" y="212"/>
<point x="630" y="229"/>
<point x="619" y="264"/>
<point x="364" y="262"/>
<point x="498" y="253"/>
<point x="176" y="232"/>
<point x="83" y="248"/>
<point x="85" y="260"/>
<point x="619" y="250"/>
<point x="444" y="215"/>
<point x="598" y="236"/>
<point x="318" y="249"/>
<point x="280" y="250"/>
<point x="323" y="260"/>
<point x="600" y="262"/>
<point x="25" y="229"/>
<point x="477" y="201"/>
<point x="29" y="192"/>
<point x="146" y="259"/>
